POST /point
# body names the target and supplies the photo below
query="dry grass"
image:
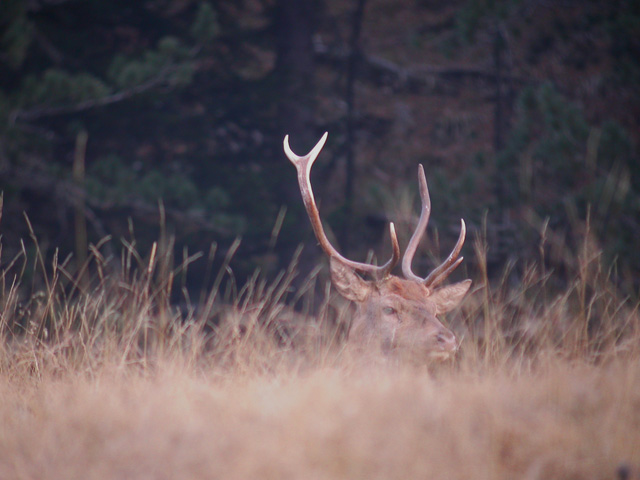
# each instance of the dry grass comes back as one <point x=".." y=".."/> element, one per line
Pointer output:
<point x="102" y="378"/>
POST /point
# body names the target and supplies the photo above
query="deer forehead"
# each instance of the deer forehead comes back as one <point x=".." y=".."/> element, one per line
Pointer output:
<point x="403" y="290"/>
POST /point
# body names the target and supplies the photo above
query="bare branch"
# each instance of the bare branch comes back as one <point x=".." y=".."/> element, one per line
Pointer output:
<point x="41" y="112"/>
<point x="381" y="71"/>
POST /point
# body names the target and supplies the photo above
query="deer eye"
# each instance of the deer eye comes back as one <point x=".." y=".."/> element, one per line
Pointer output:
<point x="389" y="311"/>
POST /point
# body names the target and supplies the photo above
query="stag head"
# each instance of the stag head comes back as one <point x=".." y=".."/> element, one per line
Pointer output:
<point x="392" y="313"/>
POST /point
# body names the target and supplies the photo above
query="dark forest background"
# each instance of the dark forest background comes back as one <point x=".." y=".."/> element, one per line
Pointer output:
<point x="163" y="120"/>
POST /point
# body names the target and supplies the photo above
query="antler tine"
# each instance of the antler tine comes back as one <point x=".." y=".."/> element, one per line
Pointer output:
<point x="439" y="274"/>
<point x="303" y="166"/>
<point x="420" y="228"/>
<point x="395" y="253"/>
<point x="442" y="272"/>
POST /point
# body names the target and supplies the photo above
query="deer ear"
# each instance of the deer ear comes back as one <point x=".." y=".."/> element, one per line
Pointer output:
<point x="347" y="281"/>
<point x="447" y="298"/>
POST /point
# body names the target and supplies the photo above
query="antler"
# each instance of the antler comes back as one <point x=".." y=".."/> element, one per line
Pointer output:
<point x="420" y="228"/>
<point x="439" y="274"/>
<point x="303" y="166"/>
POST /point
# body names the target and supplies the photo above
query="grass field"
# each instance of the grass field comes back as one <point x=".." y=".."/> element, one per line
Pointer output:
<point x="102" y="378"/>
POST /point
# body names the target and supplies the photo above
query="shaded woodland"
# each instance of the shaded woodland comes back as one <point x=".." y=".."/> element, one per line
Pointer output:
<point x="163" y="121"/>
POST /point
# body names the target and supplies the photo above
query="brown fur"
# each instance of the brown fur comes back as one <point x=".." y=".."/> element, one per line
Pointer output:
<point x="396" y="313"/>
<point x="391" y="312"/>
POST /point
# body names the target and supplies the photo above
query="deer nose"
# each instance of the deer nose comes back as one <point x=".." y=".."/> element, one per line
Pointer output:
<point x="447" y="340"/>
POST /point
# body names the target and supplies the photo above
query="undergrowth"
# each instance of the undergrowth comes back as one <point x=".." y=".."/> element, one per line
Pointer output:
<point x="105" y="375"/>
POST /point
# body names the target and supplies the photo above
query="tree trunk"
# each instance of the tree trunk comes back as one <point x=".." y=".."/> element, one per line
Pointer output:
<point x="295" y="21"/>
<point x="352" y="68"/>
<point x="295" y="71"/>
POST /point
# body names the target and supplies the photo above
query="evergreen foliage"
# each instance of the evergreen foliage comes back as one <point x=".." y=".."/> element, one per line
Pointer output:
<point x="525" y="119"/>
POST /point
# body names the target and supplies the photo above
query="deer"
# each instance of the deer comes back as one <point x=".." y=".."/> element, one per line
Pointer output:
<point x="392" y="314"/>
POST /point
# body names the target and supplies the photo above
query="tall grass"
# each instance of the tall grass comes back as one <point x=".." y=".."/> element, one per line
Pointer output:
<point x="103" y="376"/>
